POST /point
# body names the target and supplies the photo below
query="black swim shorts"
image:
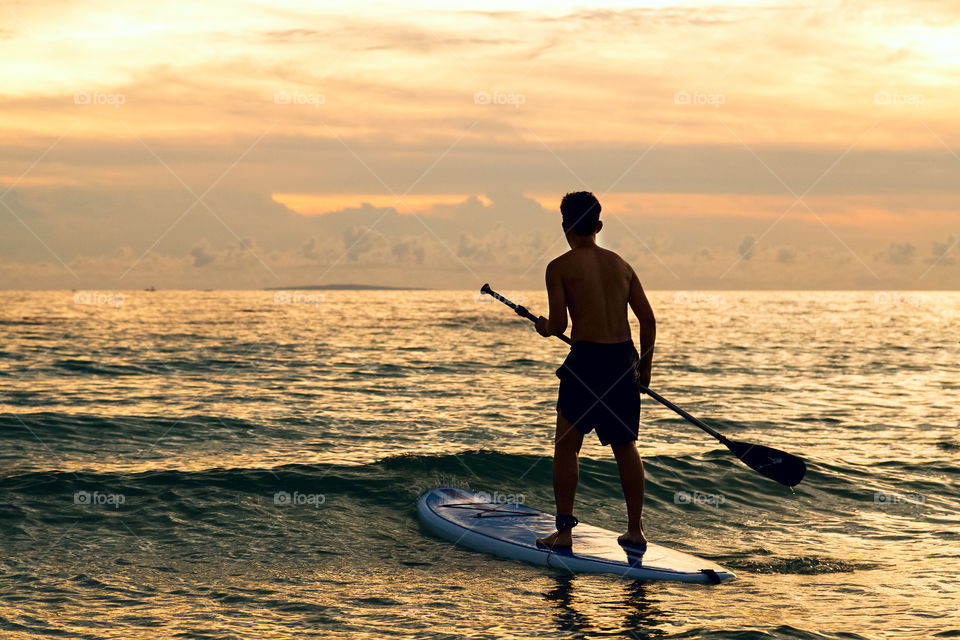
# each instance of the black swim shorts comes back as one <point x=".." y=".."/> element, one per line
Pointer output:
<point x="598" y="390"/>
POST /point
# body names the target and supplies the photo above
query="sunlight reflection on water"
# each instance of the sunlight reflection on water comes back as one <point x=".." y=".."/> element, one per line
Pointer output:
<point x="196" y="391"/>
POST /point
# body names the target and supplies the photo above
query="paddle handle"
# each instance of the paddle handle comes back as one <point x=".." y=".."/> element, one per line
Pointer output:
<point x="525" y="313"/>
<point x="521" y="310"/>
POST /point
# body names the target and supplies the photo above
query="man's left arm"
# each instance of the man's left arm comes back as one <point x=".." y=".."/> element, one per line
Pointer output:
<point x="556" y="324"/>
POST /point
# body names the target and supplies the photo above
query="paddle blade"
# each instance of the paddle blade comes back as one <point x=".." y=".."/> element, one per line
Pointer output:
<point x="777" y="465"/>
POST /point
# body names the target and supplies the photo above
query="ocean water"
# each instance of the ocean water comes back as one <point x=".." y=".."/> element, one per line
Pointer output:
<point x="246" y="465"/>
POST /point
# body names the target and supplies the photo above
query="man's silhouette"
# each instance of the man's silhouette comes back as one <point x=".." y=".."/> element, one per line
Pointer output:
<point x="598" y="379"/>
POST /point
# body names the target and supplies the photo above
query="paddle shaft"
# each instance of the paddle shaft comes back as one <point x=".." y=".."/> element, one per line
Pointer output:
<point x="659" y="398"/>
<point x="524" y="312"/>
<point x="785" y="468"/>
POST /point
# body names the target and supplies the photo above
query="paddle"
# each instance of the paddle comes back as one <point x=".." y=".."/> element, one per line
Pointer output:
<point x="777" y="465"/>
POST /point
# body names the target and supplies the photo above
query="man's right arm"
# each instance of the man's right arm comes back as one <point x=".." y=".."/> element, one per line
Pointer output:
<point x="648" y="326"/>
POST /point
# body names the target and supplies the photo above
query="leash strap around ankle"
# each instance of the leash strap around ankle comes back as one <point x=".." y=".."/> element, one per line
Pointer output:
<point x="565" y="522"/>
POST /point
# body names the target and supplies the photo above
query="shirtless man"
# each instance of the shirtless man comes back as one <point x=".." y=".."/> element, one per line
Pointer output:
<point x="599" y="376"/>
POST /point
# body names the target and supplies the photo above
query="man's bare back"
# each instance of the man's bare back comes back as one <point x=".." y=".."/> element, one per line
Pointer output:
<point x="596" y="288"/>
<point x="597" y="285"/>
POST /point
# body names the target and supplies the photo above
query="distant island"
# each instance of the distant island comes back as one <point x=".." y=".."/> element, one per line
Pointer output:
<point x="343" y="287"/>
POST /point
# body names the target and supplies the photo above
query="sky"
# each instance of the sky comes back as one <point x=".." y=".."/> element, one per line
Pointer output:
<point x="733" y="145"/>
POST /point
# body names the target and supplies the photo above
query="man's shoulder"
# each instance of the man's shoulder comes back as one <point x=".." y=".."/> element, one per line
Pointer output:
<point x="571" y="257"/>
<point x="559" y="261"/>
<point x="615" y="257"/>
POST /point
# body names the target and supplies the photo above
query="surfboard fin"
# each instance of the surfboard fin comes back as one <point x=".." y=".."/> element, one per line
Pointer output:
<point x="712" y="574"/>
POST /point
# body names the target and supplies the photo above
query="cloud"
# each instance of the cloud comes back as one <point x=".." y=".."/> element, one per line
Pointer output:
<point x="201" y="256"/>
<point x="121" y="238"/>
<point x="693" y="185"/>
<point x="898" y="253"/>
<point x="786" y="255"/>
<point x="409" y="250"/>
<point x="939" y="251"/>
<point x="360" y="239"/>
<point x="640" y="20"/>
<point x="704" y="254"/>
<point x="374" y="35"/>
<point x="516" y="260"/>
<point x="286" y="163"/>
<point x="309" y="249"/>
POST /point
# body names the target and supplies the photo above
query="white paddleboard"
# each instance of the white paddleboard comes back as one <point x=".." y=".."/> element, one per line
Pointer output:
<point x="510" y="531"/>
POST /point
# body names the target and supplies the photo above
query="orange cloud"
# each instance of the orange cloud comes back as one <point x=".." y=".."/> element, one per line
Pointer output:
<point x="310" y="204"/>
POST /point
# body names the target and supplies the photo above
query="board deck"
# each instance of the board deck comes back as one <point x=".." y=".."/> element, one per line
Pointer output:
<point x="510" y="531"/>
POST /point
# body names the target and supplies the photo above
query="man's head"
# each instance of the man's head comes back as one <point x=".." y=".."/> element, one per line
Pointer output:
<point x="581" y="213"/>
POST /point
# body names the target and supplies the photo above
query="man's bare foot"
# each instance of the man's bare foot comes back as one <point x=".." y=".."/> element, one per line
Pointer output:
<point x="633" y="540"/>
<point x="557" y="540"/>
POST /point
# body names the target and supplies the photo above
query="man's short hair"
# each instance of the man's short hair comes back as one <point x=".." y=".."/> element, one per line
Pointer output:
<point x="580" y="211"/>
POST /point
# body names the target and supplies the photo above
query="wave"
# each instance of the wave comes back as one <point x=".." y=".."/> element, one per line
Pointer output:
<point x="791" y="565"/>
<point x="89" y="367"/>
<point x="773" y="633"/>
<point x="392" y="482"/>
<point x="81" y="429"/>
<point x="712" y="472"/>
<point x="676" y="485"/>
<point x="30" y="322"/>
<point x="307" y="510"/>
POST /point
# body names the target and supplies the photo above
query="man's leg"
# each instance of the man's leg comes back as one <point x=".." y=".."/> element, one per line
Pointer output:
<point x="566" y="449"/>
<point x="631" y="479"/>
